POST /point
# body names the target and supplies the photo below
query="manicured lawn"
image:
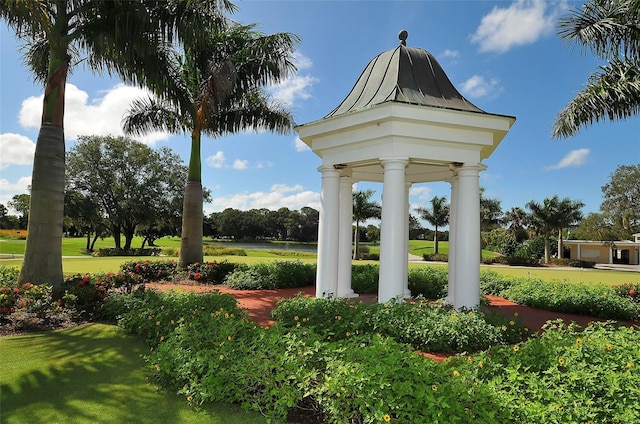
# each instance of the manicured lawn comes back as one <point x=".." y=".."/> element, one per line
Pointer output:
<point x="91" y="374"/>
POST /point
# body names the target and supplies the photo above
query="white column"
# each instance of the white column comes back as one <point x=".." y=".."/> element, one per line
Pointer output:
<point x="405" y="278"/>
<point x="467" y="262"/>
<point x="452" y="239"/>
<point x="327" y="273"/>
<point x="345" y="237"/>
<point x="393" y="252"/>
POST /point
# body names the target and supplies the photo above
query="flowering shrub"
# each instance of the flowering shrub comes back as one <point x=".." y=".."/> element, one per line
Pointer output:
<point x="424" y="326"/>
<point x="151" y="270"/>
<point x="210" y="272"/>
<point x="630" y="291"/>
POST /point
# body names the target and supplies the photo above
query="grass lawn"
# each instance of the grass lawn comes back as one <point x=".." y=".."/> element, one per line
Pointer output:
<point x="91" y="374"/>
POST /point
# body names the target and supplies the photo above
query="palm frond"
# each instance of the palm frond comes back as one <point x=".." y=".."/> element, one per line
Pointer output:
<point x="148" y="114"/>
<point x="612" y="94"/>
<point x="249" y="111"/>
<point x="606" y="27"/>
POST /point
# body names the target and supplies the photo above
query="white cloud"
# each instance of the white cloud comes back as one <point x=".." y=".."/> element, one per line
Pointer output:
<point x="216" y="161"/>
<point x="9" y="189"/>
<point x="16" y="149"/>
<point x="240" y="165"/>
<point x="264" y="164"/>
<point x="82" y="116"/>
<point x="299" y="145"/>
<point x="574" y="158"/>
<point x="292" y="197"/>
<point x="477" y="86"/>
<point x="522" y="23"/>
<point x="295" y="87"/>
<point x="451" y="54"/>
<point x="421" y="192"/>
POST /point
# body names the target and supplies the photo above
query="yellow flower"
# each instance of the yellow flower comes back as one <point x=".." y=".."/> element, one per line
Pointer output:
<point x="629" y="365"/>
<point x="561" y="361"/>
<point x="296" y="318"/>
<point x="456" y="373"/>
<point x="162" y="338"/>
<point x="157" y="367"/>
<point x="515" y="314"/>
<point x="579" y="342"/>
<point x="221" y="357"/>
<point x="480" y="364"/>
<point x="434" y="388"/>
<point x="512" y="322"/>
<point x="189" y="398"/>
<point x="387" y="418"/>
<point x="348" y="334"/>
<point x="609" y="346"/>
<point x="157" y="322"/>
<point x="298" y="325"/>
<point x="504" y="328"/>
<point x="590" y="422"/>
<point x="229" y="338"/>
<point x="516" y="348"/>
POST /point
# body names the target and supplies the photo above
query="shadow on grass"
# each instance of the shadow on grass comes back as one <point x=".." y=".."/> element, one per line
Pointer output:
<point x="87" y="374"/>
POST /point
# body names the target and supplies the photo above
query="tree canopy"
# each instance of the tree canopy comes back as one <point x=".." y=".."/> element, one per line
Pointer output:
<point x="130" y="184"/>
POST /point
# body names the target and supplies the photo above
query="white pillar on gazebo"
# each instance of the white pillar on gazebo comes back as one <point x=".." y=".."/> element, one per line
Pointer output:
<point x="345" y="234"/>
<point x="467" y="251"/>
<point x="393" y="257"/>
<point x="327" y="272"/>
<point x="405" y="278"/>
<point x="452" y="238"/>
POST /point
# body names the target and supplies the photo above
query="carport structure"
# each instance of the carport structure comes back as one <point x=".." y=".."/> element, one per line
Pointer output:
<point x="402" y="123"/>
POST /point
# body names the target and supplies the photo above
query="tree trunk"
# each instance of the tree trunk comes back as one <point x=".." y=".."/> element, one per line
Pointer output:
<point x="115" y="230"/>
<point x="547" y="249"/>
<point x="435" y="240"/>
<point x="560" y="253"/>
<point x="42" y="263"/>
<point x="356" y="237"/>
<point x="192" y="221"/>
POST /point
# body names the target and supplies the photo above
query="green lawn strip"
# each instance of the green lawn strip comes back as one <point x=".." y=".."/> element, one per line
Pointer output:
<point x="91" y="374"/>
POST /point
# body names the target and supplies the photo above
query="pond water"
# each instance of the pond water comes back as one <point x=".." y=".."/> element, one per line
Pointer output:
<point x="258" y="245"/>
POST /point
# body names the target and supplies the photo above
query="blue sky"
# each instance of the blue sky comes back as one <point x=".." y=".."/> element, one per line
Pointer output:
<point x="504" y="56"/>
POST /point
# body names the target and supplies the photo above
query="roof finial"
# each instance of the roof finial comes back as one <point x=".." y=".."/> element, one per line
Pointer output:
<point x="403" y="35"/>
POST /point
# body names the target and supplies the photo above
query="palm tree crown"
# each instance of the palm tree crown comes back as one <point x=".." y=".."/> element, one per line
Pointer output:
<point x="611" y="30"/>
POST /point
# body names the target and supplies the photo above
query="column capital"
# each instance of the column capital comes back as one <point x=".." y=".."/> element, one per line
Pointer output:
<point x="399" y="161"/>
<point x="473" y="167"/>
<point x="328" y="170"/>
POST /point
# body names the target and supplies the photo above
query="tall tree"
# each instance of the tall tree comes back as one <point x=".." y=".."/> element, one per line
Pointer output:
<point x="437" y="215"/>
<point x="20" y="203"/>
<point x="552" y="215"/>
<point x="363" y="209"/>
<point x="490" y="212"/>
<point x="611" y="30"/>
<point x="621" y="200"/>
<point x="517" y="219"/>
<point x="220" y="91"/>
<point x="569" y="214"/>
<point x="127" y="38"/>
<point x="132" y="184"/>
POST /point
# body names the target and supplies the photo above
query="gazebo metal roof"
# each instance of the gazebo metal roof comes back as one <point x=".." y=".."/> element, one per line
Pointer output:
<point x="405" y="75"/>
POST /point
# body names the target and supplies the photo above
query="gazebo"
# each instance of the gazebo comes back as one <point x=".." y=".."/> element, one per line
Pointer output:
<point x="402" y="123"/>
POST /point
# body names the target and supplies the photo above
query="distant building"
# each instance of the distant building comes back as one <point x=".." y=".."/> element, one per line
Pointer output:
<point x="606" y="252"/>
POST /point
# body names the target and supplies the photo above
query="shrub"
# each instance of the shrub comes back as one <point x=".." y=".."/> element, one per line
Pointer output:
<point x="272" y="275"/>
<point x="576" y="263"/>
<point x="215" y="250"/>
<point x="127" y="252"/>
<point x="495" y="284"/>
<point x="210" y="272"/>
<point x="422" y="325"/>
<point x="364" y="278"/>
<point x="435" y="257"/>
<point x="151" y="270"/>
<point x="428" y="281"/>
<point x="597" y="301"/>
<point x="629" y="291"/>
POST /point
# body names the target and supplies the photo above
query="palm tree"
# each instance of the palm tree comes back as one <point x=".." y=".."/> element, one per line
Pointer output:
<point x="611" y="30"/>
<point x="517" y="219"/>
<point x="128" y="38"/>
<point x="437" y="215"/>
<point x="363" y="209"/>
<point x="553" y="214"/>
<point x="215" y="89"/>
<point x="569" y="214"/>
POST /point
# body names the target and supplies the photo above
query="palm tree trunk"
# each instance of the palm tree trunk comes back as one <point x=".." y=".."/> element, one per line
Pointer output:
<point x="42" y="263"/>
<point x="560" y="243"/>
<point x="547" y="249"/>
<point x="435" y="240"/>
<point x="356" y="236"/>
<point x="192" y="215"/>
